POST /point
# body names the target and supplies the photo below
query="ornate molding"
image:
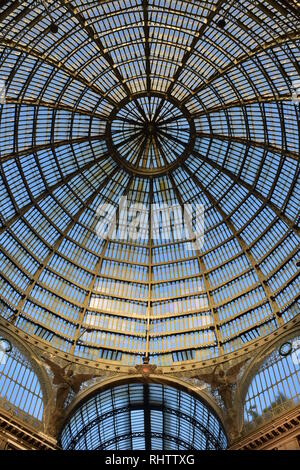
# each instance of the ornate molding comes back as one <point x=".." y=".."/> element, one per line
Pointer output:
<point x="15" y="434"/>
<point x="272" y="434"/>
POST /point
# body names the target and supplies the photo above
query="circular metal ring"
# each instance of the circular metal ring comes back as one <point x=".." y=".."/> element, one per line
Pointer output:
<point x="283" y="352"/>
<point x="8" y="346"/>
<point x="160" y="170"/>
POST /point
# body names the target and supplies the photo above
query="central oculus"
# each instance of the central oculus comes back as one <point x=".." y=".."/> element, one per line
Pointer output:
<point x="150" y="135"/>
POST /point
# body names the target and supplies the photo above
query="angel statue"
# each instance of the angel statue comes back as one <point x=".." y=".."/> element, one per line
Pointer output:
<point x="223" y="381"/>
<point x="65" y="380"/>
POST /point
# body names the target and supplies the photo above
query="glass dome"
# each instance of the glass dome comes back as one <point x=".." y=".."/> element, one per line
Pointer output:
<point x="142" y="417"/>
<point x="164" y="103"/>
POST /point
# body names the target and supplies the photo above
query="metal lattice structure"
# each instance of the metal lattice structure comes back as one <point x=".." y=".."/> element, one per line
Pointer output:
<point x="276" y="386"/>
<point x="143" y="416"/>
<point x="164" y="103"/>
<point x="20" y="387"/>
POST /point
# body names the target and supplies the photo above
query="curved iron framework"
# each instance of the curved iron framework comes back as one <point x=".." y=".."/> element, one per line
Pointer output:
<point x="118" y="301"/>
<point x="20" y="388"/>
<point x="143" y="416"/>
<point x="149" y="135"/>
<point x="276" y="385"/>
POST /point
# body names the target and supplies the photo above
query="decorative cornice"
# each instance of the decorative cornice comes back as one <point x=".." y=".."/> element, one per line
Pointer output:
<point x="270" y="434"/>
<point x="18" y="435"/>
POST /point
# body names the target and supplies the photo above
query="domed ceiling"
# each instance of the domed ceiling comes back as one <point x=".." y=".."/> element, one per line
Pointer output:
<point x="162" y="102"/>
